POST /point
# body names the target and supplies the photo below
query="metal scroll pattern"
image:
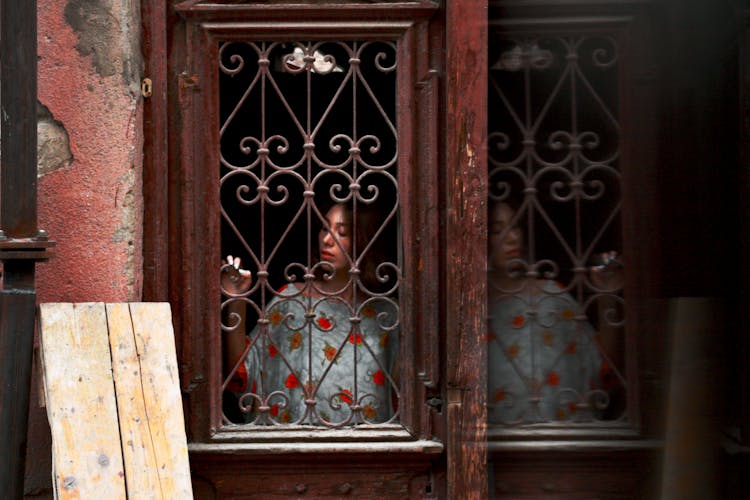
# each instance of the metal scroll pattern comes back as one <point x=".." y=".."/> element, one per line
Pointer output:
<point x="306" y="126"/>
<point x="556" y="320"/>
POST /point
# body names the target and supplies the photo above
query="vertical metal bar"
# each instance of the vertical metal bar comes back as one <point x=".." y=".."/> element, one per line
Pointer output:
<point x="18" y="219"/>
<point x="17" y="303"/>
<point x="18" y="116"/>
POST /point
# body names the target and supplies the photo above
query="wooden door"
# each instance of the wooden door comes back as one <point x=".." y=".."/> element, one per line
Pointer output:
<point x="362" y="94"/>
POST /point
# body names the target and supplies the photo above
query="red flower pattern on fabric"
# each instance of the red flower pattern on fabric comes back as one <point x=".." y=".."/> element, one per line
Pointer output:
<point x="378" y="377"/>
<point x="369" y="412"/>
<point x="238" y="382"/>
<point x="355" y="338"/>
<point x="346" y="396"/>
<point x="383" y="339"/>
<point x="518" y="321"/>
<point x="275" y="410"/>
<point x="368" y="312"/>
<point x="571" y="348"/>
<point x="295" y="341"/>
<point x="291" y="381"/>
<point x="512" y="351"/>
<point x="553" y="378"/>
<point x="499" y="394"/>
<point x="272" y="351"/>
<point x="324" y="323"/>
<point x="329" y="351"/>
<point x="275" y="317"/>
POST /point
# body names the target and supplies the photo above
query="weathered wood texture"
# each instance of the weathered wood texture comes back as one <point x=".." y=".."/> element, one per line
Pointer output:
<point x="574" y="474"/>
<point x="302" y="475"/>
<point x="80" y="398"/>
<point x="466" y="230"/>
<point x="113" y="401"/>
<point x="156" y="149"/>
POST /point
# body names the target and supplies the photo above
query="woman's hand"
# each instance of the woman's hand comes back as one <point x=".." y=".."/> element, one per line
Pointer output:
<point x="234" y="279"/>
<point x="607" y="274"/>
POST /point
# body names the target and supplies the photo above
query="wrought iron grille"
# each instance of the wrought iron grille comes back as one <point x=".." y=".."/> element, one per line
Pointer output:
<point x="308" y="134"/>
<point x="556" y="312"/>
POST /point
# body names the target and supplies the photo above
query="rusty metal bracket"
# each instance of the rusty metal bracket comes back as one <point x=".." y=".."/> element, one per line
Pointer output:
<point x="37" y="248"/>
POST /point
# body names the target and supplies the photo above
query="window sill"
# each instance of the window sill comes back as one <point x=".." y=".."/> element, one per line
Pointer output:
<point x="298" y="442"/>
<point x="578" y="445"/>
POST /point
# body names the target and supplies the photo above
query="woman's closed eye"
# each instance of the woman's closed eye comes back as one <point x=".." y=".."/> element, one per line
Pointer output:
<point x="499" y="228"/>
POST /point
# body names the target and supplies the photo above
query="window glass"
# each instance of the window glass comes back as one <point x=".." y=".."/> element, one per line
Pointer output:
<point x="309" y="205"/>
<point x="555" y="277"/>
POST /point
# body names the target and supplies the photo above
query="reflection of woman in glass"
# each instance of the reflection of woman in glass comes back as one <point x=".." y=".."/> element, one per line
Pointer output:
<point x="323" y="350"/>
<point x="545" y="362"/>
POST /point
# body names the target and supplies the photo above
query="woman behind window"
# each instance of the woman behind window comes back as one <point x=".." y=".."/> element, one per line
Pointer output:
<point x="544" y="358"/>
<point x="323" y="351"/>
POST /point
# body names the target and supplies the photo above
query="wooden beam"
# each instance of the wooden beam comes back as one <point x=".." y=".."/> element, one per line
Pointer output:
<point x="81" y="405"/>
<point x="466" y="233"/>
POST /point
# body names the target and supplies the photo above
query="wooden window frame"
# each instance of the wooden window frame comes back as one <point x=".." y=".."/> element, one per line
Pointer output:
<point x="195" y="242"/>
<point x="616" y="28"/>
<point x="632" y="449"/>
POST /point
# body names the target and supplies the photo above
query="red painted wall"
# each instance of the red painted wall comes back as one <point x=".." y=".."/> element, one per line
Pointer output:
<point x="93" y="208"/>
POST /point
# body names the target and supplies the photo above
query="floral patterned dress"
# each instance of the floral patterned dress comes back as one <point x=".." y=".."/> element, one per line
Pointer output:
<point x="321" y="361"/>
<point x="544" y="362"/>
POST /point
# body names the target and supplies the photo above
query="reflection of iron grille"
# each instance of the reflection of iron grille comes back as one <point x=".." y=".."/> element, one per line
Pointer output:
<point x="555" y="329"/>
<point x="304" y="127"/>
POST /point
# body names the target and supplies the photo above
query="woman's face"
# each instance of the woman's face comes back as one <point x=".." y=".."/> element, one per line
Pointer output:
<point x="505" y="241"/>
<point x="340" y="230"/>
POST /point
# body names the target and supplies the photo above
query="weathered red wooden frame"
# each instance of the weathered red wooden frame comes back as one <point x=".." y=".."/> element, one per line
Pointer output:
<point x="563" y="456"/>
<point x="616" y="27"/>
<point x="446" y="122"/>
<point x="200" y="244"/>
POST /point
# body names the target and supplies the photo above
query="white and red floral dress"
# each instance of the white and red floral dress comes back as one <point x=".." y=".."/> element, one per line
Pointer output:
<point x="544" y="362"/>
<point x="322" y="361"/>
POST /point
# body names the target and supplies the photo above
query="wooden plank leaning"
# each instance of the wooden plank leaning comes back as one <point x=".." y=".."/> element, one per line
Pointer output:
<point x="113" y="401"/>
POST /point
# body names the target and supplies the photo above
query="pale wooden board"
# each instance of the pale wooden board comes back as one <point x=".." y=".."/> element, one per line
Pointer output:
<point x="140" y="463"/>
<point x="148" y="393"/>
<point x="79" y="393"/>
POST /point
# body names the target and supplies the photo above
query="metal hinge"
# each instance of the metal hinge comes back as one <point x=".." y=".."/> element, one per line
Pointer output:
<point x="435" y="403"/>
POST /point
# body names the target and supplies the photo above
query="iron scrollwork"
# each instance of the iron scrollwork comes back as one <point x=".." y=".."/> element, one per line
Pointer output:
<point x="555" y="326"/>
<point x="306" y="126"/>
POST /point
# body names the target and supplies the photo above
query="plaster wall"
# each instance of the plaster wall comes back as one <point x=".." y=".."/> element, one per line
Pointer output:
<point x="90" y="168"/>
<point x="89" y="82"/>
